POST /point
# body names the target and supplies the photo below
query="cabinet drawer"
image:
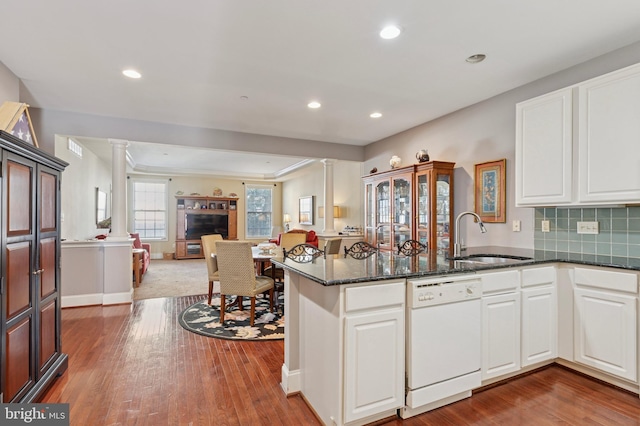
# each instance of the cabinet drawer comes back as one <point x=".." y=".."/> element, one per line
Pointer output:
<point x="374" y="296"/>
<point x="609" y="280"/>
<point x="538" y="276"/>
<point x="499" y="282"/>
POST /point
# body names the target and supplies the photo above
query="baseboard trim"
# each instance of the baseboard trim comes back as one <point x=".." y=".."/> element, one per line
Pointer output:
<point x="96" y="299"/>
<point x="117" y="298"/>
<point x="290" y="382"/>
<point x="81" y="300"/>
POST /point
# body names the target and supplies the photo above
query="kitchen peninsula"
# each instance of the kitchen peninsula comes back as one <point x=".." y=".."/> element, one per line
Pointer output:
<point x="346" y="322"/>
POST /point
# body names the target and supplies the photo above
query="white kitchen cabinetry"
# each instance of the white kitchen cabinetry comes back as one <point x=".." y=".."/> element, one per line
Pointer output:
<point x="544" y="140"/>
<point x="374" y="350"/>
<point x="594" y="165"/>
<point x="608" y="137"/>
<point x="605" y="321"/>
<point x="500" y="323"/>
<point x="539" y="315"/>
<point x="351" y="348"/>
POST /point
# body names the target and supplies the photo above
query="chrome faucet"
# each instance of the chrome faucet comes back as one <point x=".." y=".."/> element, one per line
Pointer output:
<point x="457" y="247"/>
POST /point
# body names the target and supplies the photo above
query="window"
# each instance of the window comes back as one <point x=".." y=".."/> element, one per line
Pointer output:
<point x="150" y="209"/>
<point x="259" y="210"/>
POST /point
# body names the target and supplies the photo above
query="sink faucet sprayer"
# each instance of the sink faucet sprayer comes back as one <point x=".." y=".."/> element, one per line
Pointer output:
<point x="457" y="247"/>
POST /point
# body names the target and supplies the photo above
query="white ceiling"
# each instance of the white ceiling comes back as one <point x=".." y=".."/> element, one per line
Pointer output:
<point x="200" y="57"/>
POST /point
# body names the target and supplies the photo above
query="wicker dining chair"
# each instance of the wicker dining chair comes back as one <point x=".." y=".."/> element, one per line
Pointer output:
<point x="238" y="276"/>
<point x="209" y="249"/>
<point x="287" y="241"/>
<point x="332" y="246"/>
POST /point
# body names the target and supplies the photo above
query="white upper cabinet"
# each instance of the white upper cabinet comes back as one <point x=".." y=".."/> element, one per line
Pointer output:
<point x="609" y="137"/>
<point x="544" y="140"/>
<point x="581" y="145"/>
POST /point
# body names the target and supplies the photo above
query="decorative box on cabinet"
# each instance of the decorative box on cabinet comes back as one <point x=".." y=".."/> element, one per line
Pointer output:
<point x="200" y="215"/>
<point x="31" y="347"/>
<point x="414" y="202"/>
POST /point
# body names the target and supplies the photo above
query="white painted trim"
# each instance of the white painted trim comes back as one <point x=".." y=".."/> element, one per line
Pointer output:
<point x="81" y="300"/>
<point x="290" y="381"/>
<point x="117" y="298"/>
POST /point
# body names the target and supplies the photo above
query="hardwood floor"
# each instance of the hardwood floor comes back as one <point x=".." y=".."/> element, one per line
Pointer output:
<point x="135" y="365"/>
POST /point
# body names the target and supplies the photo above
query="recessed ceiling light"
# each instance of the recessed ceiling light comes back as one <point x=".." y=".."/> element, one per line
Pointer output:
<point x="132" y="73"/>
<point x="375" y="115"/>
<point x="389" y="32"/>
<point x="474" y="59"/>
<point x="314" y="104"/>
<point x="244" y="98"/>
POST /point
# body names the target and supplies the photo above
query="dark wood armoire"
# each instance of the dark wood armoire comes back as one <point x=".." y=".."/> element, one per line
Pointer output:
<point x="30" y="270"/>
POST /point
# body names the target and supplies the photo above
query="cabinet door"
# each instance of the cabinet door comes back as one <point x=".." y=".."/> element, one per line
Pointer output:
<point x="605" y="332"/>
<point x="608" y="135"/>
<point x="383" y="214"/>
<point x="402" y="210"/>
<point x="20" y="315"/>
<point x="539" y="325"/>
<point x="500" y="335"/>
<point x="374" y="363"/>
<point x="544" y="140"/>
<point x="47" y="273"/>
<point x="369" y="213"/>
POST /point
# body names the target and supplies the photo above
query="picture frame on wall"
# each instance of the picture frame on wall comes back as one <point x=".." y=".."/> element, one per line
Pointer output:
<point x="490" y="191"/>
<point x="305" y="210"/>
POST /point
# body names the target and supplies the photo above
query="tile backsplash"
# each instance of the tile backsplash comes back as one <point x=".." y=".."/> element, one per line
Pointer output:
<point x="618" y="237"/>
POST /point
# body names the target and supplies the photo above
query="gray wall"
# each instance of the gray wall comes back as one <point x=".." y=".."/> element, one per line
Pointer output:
<point x="347" y="194"/>
<point x="485" y="132"/>
<point x="9" y="86"/>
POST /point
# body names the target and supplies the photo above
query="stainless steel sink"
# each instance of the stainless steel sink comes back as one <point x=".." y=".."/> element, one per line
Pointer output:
<point x="490" y="259"/>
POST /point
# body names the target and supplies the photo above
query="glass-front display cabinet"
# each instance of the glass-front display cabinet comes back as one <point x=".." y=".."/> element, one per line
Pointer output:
<point x="389" y="208"/>
<point x="434" y="206"/>
<point x="414" y="202"/>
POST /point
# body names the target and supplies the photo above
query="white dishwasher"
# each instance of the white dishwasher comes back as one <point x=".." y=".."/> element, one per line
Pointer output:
<point x="444" y="346"/>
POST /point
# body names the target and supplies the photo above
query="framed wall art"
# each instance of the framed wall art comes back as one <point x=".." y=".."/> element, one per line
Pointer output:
<point x="490" y="191"/>
<point x="305" y="212"/>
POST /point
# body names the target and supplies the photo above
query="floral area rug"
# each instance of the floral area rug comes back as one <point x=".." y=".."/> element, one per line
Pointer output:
<point x="204" y="319"/>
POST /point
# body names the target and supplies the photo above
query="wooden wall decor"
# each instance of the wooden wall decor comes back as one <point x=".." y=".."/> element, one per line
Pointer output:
<point x="15" y="119"/>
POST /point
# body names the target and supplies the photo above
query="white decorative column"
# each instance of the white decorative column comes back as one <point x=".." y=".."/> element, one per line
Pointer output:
<point x="328" y="197"/>
<point x="119" y="190"/>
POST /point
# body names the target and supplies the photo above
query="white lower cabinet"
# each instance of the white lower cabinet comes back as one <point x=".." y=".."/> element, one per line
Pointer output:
<point x="500" y="323"/>
<point x="605" y="321"/>
<point x="605" y="332"/>
<point x="500" y="335"/>
<point x="374" y="350"/>
<point x="539" y="315"/>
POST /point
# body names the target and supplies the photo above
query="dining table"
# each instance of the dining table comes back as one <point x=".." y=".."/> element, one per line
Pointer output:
<point x="263" y="257"/>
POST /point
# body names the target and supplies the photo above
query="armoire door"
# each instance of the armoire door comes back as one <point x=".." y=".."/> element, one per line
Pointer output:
<point x="19" y="316"/>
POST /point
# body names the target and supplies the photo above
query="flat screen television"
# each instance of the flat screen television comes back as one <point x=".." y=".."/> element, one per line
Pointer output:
<point x="199" y="224"/>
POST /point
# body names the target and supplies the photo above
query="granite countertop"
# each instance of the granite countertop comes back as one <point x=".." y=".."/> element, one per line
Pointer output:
<point x="341" y="269"/>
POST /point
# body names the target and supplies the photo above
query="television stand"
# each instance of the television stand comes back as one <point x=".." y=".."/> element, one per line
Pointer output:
<point x="200" y="215"/>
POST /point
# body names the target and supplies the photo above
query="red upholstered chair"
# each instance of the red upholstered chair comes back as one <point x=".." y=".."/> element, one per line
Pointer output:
<point x="312" y="238"/>
<point x="147" y="251"/>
